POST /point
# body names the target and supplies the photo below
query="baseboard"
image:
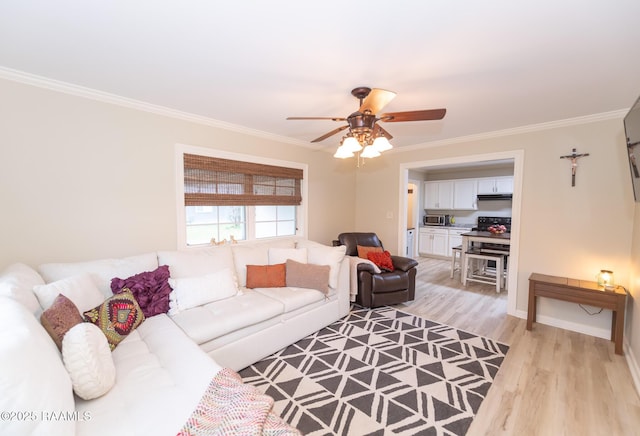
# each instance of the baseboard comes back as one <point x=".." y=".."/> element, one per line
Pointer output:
<point x="574" y="327"/>
<point x="632" y="363"/>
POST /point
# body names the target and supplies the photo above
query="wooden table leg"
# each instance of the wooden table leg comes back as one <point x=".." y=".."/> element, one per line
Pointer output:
<point x="531" y="309"/>
<point x="617" y="327"/>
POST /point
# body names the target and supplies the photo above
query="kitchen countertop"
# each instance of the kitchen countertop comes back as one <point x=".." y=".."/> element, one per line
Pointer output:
<point x="504" y="236"/>
<point x="453" y="226"/>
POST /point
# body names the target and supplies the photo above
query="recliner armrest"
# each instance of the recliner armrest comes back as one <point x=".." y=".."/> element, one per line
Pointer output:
<point x="403" y="263"/>
<point x="368" y="267"/>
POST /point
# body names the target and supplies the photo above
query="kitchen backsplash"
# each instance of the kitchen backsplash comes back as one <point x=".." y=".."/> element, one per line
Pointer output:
<point x="470" y="217"/>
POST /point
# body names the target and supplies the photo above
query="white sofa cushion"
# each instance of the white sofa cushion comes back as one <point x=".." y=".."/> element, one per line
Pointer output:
<point x="161" y="376"/>
<point x="17" y="282"/>
<point x="198" y="261"/>
<point x="281" y="255"/>
<point x="190" y="292"/>
<point x="87" y="358"/>
<point x="33" y="378"/>
<point x="324" y="255"/>
<point x="80" y="289"/>
<point x="292" y="298"/>
<point x="216" y="319"/>
<point x="102" y="271"/>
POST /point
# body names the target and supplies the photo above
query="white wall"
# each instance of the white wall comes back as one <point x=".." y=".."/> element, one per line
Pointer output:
<point x="564" y="230"/>
<point x="82" y="179"/>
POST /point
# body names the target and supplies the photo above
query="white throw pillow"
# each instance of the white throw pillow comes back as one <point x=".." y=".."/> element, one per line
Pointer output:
<point x="17" y="282"/>
<point x="319" y="254"/>
<point x="80" y="289"/>
<point x="87" y="358"/>
<point x="280" y="255"/>
<point x="191" y="292"/>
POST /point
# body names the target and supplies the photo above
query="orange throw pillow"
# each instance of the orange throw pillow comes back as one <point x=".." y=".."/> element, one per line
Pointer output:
<point x="363" y="251"/>
<point x="266" y="276"/>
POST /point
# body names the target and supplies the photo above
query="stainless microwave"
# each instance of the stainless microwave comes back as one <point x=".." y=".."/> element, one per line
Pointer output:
<point x="435" y="220"/>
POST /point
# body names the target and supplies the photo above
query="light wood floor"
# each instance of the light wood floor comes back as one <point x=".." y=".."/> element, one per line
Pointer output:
<point x="552" y="382"/>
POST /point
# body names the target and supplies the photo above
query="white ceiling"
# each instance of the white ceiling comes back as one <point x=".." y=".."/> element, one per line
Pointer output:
<point x="494" y="65"/>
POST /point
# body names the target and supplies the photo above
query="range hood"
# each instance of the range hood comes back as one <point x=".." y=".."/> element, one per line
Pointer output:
<point x="482" y="197"/>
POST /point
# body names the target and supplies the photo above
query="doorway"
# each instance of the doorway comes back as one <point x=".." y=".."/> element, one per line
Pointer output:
<point x="518" y="161"/>
<point x="413" y="214"/>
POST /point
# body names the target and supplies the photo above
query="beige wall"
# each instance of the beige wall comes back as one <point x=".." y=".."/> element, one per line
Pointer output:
<point x="564" y="230"/>
<point x="82" y="179"/>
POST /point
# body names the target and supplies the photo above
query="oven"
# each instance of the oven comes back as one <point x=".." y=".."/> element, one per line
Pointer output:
<point x="484" y="222"/>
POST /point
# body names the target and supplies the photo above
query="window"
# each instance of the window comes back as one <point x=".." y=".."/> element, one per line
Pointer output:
<point x="204" y="223"/>
<point x="275" y="221"/>
<point x="226" y="199"/>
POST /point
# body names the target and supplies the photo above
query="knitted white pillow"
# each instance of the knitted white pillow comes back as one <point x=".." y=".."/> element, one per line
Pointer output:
<point x="87" y="358"/>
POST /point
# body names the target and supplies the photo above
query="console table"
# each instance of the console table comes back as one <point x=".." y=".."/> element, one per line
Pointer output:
<point x="582" y="292"/>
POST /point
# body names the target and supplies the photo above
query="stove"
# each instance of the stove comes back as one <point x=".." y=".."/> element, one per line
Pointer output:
<point x="484" y="222"/>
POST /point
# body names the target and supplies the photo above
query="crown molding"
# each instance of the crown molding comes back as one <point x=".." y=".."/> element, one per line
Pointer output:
<point x="617" y="114"/>
<point x="105" y="97"/>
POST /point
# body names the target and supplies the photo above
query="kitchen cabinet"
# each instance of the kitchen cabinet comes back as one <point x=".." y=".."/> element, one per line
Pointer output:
<point x="433" y="241"/>
<point x="455" y="239"/>
<point x="439" y="241"/>
<point x="495" y="185"/>
<point x="438" y="194"/>
<point x="465" y="194"/>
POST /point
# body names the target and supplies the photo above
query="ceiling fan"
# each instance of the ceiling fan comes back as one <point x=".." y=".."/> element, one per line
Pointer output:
<point x="364" y="130"/>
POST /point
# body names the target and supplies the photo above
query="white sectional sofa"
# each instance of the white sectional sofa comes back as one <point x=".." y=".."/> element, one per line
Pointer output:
<point x="164" y="366"/>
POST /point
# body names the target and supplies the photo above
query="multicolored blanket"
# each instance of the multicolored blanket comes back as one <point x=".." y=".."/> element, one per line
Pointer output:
<point x="232" y="408"/>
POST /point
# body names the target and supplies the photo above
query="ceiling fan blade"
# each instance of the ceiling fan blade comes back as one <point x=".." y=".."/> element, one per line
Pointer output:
<point x="425" y="115"/>
<point x="378" y="128"/>
<point x="376" y="100"/>
<point x="331" y="133"/>
<point x="318" y="118"/>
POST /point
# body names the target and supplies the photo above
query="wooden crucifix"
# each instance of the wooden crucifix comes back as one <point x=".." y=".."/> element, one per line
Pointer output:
<point x="574" y="156"/>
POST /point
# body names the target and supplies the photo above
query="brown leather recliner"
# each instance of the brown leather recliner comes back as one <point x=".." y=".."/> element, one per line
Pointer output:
<point x="385" y="288"/>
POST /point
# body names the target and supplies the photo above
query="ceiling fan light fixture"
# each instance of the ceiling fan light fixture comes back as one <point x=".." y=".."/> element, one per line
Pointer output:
<point x="343" y="153"/>
<point x="369" y="152"/>
<point x="382" y="144"/>
<point x="351" y="144"/>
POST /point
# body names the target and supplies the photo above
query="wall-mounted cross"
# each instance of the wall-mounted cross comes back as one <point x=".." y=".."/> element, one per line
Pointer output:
<point x="574" y="163"/>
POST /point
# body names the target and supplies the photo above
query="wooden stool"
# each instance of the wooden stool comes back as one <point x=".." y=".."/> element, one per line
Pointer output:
<point x="495" y="279"/>
<point x="456" y="256"/>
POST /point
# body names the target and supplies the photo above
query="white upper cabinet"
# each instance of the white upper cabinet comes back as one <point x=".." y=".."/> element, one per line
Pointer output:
<point x="438" y="195"/>
<point x="465" y="194"/>
<point x="496" y="185"/>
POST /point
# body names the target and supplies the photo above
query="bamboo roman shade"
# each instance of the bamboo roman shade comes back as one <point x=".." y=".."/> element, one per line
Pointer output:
<point x="211" y="181"/>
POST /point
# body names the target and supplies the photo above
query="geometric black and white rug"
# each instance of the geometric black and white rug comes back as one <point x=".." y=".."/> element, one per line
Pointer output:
<point x="380" y="371"/>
